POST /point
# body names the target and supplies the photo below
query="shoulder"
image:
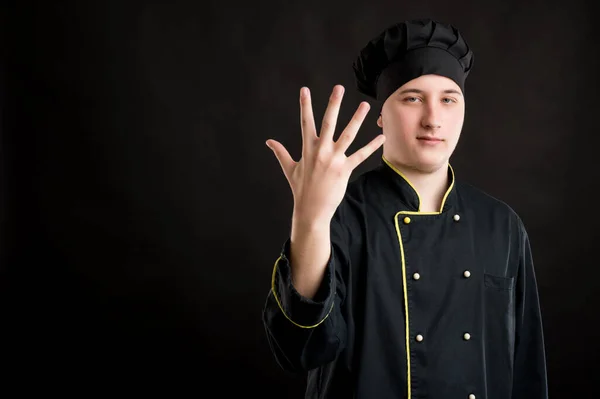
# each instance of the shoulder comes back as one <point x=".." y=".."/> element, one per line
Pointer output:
<point x="477" y="197"/>
<point x="367" y="182"/>
<point x="483" y="203"/>
<point x="358" y="196"/>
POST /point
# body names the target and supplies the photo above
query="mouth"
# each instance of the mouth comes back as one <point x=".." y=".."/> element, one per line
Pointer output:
<point x="430" y="139"/>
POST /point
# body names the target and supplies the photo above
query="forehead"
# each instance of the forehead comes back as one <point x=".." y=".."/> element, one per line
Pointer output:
<point x="431" y="84"/>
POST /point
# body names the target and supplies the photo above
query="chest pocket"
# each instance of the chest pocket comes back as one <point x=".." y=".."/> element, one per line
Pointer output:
<point x="499" y="296"/>
<point x="498" y="282"/>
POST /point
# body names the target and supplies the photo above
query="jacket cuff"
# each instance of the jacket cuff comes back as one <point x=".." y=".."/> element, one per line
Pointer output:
<point x="301" y="311"/>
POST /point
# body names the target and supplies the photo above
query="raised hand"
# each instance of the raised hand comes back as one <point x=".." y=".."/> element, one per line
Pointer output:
<point x="320" y="178"/>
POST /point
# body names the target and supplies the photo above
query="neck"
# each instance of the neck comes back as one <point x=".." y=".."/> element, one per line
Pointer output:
<point x="430" y="186"/>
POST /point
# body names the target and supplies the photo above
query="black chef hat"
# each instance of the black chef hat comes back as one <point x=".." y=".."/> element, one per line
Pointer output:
<point x="407" y="50"/>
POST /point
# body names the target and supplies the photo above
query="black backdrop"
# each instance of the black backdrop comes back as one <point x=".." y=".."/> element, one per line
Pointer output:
<point x="142" y="211"/>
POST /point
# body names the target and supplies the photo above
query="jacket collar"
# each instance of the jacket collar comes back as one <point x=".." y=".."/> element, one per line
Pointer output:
<point x="408" y="193"/>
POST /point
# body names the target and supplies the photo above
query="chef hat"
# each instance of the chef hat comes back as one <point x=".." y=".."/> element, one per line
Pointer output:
<point x="407" y="50"/>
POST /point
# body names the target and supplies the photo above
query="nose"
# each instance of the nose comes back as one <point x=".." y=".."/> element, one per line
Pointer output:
<point x="432" y="125"/>
<point x="431" y="118"/>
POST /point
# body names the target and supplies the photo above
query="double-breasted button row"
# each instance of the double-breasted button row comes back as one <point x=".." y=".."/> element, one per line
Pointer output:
<point x="466" y="274"/>
<point x="420" y="338"/>
<point x="417" y="276"/>
<point x="407" y="219"/>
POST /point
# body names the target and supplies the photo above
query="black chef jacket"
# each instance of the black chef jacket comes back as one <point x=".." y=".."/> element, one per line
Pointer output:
<point x="413" y="305"/>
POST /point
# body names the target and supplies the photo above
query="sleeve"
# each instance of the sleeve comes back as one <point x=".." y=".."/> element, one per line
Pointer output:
<point x="530" y="375"/>
<point x="306" y="333"/>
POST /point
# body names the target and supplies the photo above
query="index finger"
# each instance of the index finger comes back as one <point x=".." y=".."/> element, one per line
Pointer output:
<point x="362" y="154"/>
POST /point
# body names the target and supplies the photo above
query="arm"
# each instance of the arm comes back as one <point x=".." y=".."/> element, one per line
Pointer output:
<point x="304" y="322"/>
<point x="306" y="332"/>
<point x="530" y="375"/>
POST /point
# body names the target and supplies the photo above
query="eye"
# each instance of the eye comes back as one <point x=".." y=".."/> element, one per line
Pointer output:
<point x="448" y="100"/>
<point x="411" y="99"/>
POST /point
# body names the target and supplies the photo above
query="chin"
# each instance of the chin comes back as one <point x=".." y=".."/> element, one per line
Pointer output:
<point x="430" y="164"/>
<point x="419" y="161"/>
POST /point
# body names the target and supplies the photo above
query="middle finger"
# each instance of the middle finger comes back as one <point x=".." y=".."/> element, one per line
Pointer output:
<point x="331" y="113"/>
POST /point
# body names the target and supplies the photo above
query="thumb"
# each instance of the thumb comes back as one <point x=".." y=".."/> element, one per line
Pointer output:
<point x="283" y="156"/>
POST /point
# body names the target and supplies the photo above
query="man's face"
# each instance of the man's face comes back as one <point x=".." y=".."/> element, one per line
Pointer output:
<point x="422" y="121"/>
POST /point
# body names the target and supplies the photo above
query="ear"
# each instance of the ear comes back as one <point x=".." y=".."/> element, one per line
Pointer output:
<point x="379" y="121"/>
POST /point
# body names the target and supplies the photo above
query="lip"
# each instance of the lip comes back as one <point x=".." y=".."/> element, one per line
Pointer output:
<point x="430" y="139"/>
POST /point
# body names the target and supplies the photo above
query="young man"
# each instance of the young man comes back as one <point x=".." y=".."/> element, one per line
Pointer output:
<point x="404" y="283"/>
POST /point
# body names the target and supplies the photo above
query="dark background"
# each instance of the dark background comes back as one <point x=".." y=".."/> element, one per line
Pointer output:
<point x="142" y="211"/>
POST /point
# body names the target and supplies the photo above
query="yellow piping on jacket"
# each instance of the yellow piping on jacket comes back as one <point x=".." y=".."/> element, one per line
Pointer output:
<point x="281" y="307"/>
<point x="402" y="257"/>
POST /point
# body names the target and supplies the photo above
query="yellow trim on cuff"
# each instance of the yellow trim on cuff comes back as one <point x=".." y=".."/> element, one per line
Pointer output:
<point x="281" y="307"/>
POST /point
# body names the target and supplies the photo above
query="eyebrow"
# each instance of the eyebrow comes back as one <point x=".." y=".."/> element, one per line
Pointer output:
<point x="448" y="91"/>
